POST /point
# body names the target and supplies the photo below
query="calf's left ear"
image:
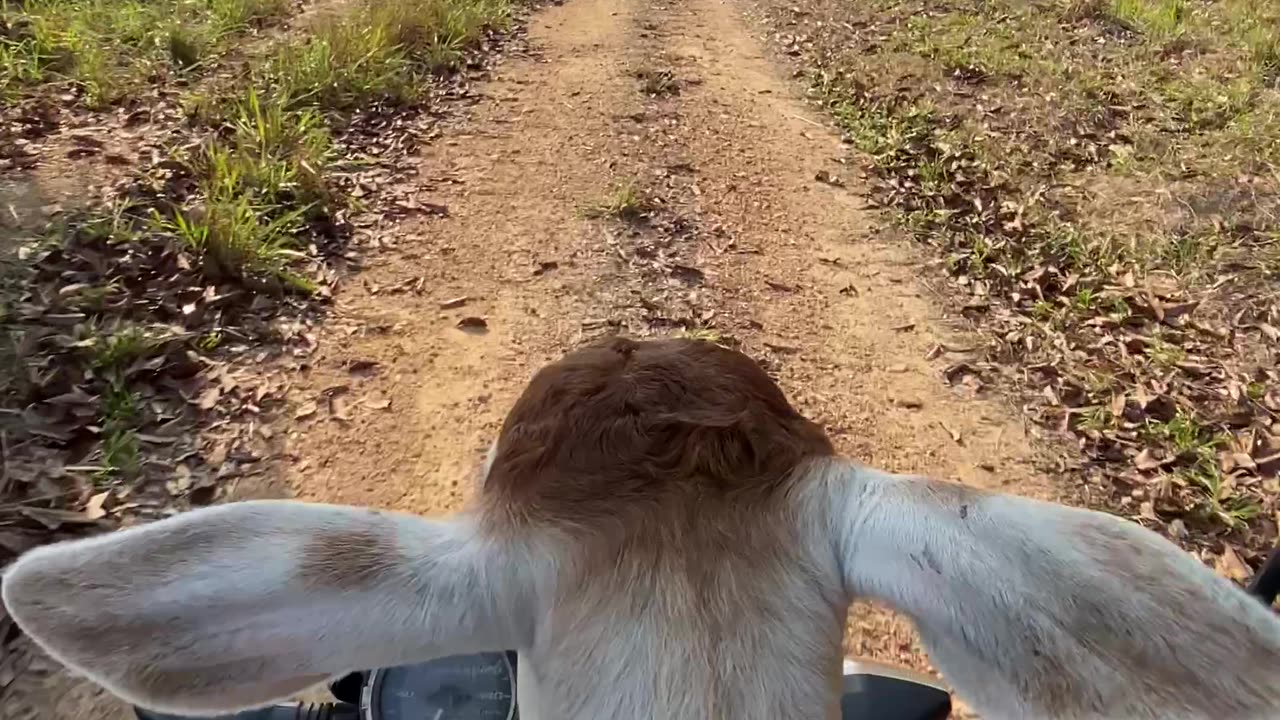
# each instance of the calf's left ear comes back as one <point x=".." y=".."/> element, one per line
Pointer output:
<point x="241" y="605"/>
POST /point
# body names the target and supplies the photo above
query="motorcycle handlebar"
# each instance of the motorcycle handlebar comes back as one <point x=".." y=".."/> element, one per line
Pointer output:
<point x="297" y="711"/>
<point x="1266" y="584"/>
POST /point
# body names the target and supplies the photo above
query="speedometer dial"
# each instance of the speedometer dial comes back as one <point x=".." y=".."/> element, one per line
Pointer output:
<point x="462" y="687"/>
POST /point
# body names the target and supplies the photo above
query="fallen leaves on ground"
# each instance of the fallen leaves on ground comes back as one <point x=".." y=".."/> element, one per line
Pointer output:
<point x="1163" y="376"/>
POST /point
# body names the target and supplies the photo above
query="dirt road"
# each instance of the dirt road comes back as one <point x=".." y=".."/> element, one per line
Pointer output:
<point x="743" y="242"/>
<point x="739" y="242"/>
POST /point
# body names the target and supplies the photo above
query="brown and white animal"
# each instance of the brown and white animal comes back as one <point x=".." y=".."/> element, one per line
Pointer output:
<point x="660" y="535"/>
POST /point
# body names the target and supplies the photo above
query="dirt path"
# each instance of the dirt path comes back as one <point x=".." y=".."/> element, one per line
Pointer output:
<point x="745" y="244"/>
<point x="742" y="243"/>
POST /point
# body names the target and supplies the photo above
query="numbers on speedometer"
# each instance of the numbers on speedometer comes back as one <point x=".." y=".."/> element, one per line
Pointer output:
<point x="463" y="687"/>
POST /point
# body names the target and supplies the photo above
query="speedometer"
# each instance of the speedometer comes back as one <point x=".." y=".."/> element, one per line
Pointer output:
<point x="461" y="687"/>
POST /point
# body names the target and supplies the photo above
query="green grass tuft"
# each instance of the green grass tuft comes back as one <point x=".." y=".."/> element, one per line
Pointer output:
<point x="342" y="67"/>
<point x="114" y="352"/>
<point x="1157" y="19"/>
<point x="381" y="52"/>
<point x="120" y="445"/>
<point x="626" y="202"/>
<point x="110" y="48"/>
<point x="231" y="15"/>
<point x="238" y="240"/>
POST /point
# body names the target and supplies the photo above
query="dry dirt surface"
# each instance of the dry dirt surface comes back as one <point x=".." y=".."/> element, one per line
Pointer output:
<point x="641" y="168"/>
<point x="727" y="233"/>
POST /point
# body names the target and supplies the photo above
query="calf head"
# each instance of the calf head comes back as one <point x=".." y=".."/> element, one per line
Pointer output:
<point x="660" y="535"/>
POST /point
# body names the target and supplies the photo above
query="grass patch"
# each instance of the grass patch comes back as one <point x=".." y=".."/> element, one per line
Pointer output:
<point x="1256" y="26"/>
<point x="261" y="184"/>
<point x="625" y="202"/>
<point x="273" y="156"/>
<point x="1103" y="200"/>
<point x="343" y="67"/>
<point x="235" y="241"/>
<point x="103" y="325"/>
<point x="120" y="445"/>
<point x="111" y="48"/>
<point x="1201" y="103"/>
<point x="236" y="14"/>
<point x="970" y="48"/>
<point x="114" y="352"/>
<point x="381" y="52"/>
<point x="1158" y="19"/>
<point x="888" y="131"/>
<point x="1198" y="446"/>
<point x="112" y="355"/>
<point x="262" y="174"/>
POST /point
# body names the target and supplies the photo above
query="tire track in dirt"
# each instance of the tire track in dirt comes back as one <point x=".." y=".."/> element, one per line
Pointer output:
<point x="513" y="177"/>
<point x="843" y="319"/>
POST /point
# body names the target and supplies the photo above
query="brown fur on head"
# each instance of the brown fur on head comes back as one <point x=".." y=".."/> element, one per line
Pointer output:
<point x="621" y="421"/>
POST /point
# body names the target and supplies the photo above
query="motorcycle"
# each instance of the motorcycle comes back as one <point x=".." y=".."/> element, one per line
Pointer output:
<point x="482" y="687"/>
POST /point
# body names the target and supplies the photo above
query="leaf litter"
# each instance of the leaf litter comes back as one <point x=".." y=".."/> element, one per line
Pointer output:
<point x="1143" y="333"/>
<point x="138" y="379"/>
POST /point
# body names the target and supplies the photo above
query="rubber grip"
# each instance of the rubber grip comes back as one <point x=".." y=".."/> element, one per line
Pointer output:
<point x="1266" y="584"/>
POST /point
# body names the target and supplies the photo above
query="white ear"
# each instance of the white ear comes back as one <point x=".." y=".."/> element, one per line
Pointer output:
<point x="240" y="605"/>
<point x="1035" y="610"/>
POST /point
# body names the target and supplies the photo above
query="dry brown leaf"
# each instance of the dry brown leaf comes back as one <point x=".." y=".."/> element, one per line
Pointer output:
<point x="955" y="434"/>
<point x="95" y="508"/>
<point x="217" y="455"/>
<point x="54" y="518"/>
<point x="377" y="401"/>
<point x="828" y="178"/>
<point x="305" y="410"/>
<point x="338" y="409"/>
<point x="1118" y="402"/>
<point x="1147" y="461"/>
<point x="1242" y="461"/>
<point x="363" y="368"/>
<point x="1230" y="566"/>
<point x="209" y="398"/>
<point x="472" y="323"/>
<point x="77" y="396"/>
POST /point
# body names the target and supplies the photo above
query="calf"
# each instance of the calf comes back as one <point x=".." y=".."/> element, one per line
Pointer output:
<point x="660" y="535"/>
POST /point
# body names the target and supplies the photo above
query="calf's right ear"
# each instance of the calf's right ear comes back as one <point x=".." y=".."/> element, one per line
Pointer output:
<point x="1036" y="610"/>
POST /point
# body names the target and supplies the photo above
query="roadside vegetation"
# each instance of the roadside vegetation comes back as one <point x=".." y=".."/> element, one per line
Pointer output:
<point x="118" y="318"/>
<point x="1101" y="181"/>
<point x="627" y="201"/>
<point x="102" y="50"/>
